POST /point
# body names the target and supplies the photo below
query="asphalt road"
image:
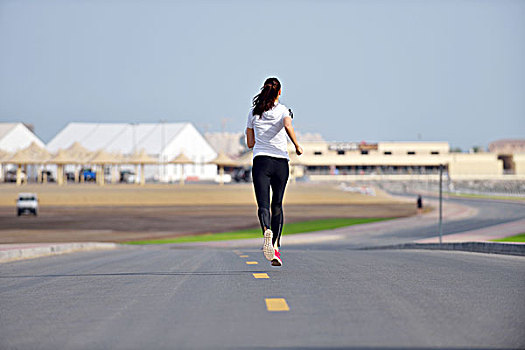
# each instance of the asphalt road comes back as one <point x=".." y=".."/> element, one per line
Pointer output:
<point x="489" y="213"/>
<point x="332" y="296"/>
<point x="157" y="298"/>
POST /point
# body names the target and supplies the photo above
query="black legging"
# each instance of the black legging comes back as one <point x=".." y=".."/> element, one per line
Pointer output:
<point x="270" y="171"/>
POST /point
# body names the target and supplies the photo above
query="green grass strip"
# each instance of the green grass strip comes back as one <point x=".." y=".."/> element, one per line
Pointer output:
<point x="517" y="238"/>
<point x="292" y="228"/>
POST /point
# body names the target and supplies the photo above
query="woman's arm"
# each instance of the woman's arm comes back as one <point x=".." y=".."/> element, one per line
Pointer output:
<point x="291" y="133"/>
<point x="250" y="137"/>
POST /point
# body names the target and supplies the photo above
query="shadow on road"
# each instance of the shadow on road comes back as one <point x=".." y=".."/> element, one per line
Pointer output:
<point x="374" y="347"/>
<point x="139" y="274"/>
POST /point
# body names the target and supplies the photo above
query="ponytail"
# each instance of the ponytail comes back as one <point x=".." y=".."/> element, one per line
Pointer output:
<point x="265" y="100"/>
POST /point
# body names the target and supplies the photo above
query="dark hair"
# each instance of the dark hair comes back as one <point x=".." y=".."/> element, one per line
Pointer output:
<point x="265" y="100"/>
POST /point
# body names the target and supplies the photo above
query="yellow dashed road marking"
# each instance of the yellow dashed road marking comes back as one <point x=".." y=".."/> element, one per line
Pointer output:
<point x="261" y="275"/>
<point x="243" y="256"/>
<point x="252" y="262"/>
<point x="276" y="304"/>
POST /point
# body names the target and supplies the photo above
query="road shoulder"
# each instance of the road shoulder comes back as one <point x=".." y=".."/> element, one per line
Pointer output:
<point x="505" y="248"/>
<point x="13" y="252"/>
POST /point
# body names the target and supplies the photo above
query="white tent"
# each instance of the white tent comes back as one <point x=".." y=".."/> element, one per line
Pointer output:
<point x="13" y="138"/>
<point x="16" y="136"/>
<point x="162" y="141"/>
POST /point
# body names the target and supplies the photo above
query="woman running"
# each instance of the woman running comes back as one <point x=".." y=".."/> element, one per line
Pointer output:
<point x="265" y="133"/>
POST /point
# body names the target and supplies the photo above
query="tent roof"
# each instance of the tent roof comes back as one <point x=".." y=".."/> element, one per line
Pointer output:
<point x="224" y="160"/>
<point x="4" y="156"/>
<point x="103" y="157"/>
<point x="5" y="128"/>
<point x="181" y="159"/>
<point x="38" y="152"/>
<point x="15" y="136"/>
<point x="117" y="137"/>
<point x="32" y="154"/>
<point x="77" y="148"/>
<point x="63" y="157"/>
<point x="79" y="152"/>
<point x="141" y="158"/>
<point x="246" y="159"/>
<point x="22" y="157"/>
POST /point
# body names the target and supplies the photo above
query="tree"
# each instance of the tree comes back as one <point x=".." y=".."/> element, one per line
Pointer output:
<point x="476" y="149"/>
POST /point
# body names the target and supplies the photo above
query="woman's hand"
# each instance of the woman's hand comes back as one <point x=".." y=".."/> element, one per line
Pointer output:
<point x="298" y="150"/>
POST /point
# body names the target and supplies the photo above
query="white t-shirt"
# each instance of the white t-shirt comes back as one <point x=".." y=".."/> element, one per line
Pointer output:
<point x="270" y="135"/>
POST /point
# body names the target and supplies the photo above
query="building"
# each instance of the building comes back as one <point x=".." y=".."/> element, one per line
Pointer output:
<point x="512" y="153"/>
<point x="507" y="146"/>
<point x="230" y="143"/>
<point x="16" y="136"/>
<point x="234" y="145"/>
<point x="162" y="141"/>
<point x="397" y="161"/>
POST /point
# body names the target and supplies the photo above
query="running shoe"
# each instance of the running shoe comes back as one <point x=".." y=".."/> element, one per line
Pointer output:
<point x="276" y="260"/>
<point x="268" y="246"/>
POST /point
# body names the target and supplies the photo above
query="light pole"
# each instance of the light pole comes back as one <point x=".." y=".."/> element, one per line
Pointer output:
<point x="133" y="137"/>
<point x="440" y="203"/>
<point x="163" y="145"/>
<point x="134" y="149"/>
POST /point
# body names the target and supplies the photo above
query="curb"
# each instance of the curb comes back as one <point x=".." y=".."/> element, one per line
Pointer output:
<point x="475" y="247"/>
<point x="19" y="252"/>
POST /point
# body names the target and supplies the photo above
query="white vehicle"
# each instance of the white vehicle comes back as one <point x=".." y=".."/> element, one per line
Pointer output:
<point x="27" y="203"/>
<point x="226" y="178"/>
<point x="127" y="176"/>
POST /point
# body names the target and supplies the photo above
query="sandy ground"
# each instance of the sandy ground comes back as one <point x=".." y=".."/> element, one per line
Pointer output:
<point x="119" y="213"/>
<point x="166" y="195"/>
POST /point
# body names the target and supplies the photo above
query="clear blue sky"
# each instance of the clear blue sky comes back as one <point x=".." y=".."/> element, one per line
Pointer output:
<point x="351" y="70"/>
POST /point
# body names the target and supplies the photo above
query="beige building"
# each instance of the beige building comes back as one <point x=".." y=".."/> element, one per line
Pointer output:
<point x="519" y="163"/>
<point x="399" y="161"/>
<point x="511" y="152"/>
<point x="507" y="146"/>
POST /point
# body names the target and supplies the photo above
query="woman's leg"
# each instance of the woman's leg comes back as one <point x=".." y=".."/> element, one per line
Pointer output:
<point x="278" y="183"/>
<point x="261" y="183"/>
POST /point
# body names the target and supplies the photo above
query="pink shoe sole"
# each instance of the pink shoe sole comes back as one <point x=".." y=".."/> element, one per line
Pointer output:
<point x="268" y="250"/>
